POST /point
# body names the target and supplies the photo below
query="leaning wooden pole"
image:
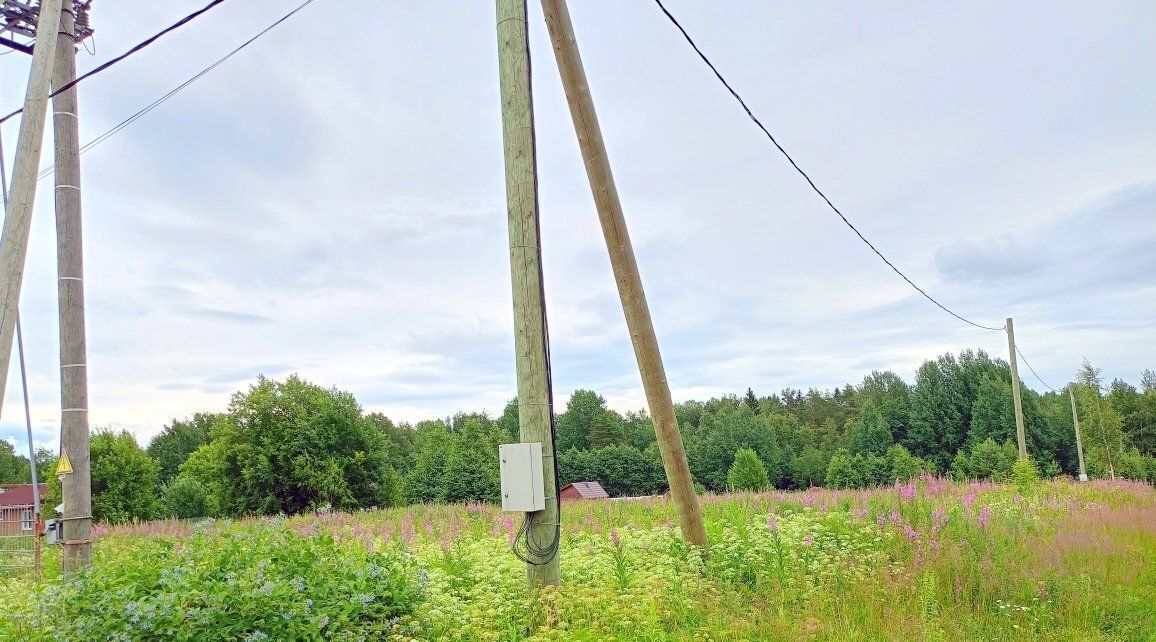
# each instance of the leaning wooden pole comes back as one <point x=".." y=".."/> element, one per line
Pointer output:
<point x="1079" y="442"/>
<point x="1021" y="437"/>
<point x="626" y="272"/>
<point x="535" y="410"/>
<point x="22" y="197"/>
<point x="76" y="488"/>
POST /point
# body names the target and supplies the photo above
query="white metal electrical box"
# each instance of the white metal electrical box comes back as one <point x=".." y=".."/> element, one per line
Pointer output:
<point x="522" y="489"/>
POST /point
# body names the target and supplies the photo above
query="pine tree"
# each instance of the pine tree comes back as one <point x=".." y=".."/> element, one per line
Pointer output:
<point x="751" y="400"/>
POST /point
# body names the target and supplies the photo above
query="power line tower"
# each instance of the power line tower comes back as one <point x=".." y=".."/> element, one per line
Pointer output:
<point x="20" y="20"/>
<point x="53" y="52"/>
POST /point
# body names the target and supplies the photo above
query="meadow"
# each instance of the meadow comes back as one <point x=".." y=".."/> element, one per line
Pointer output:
<point x="927" y="560"/>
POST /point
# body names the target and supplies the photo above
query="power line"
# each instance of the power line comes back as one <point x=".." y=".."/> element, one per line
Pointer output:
<point x="142" y="45"/>
<point x="179" y="88"/>
<point x="802" y="173"/>
<point x="1033" y="370"/>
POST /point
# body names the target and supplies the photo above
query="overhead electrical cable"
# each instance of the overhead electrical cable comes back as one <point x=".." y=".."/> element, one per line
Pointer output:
<point x="1033" y="370"/>
<point x="179" y="88"/>
<point x="142" y="45"/>
<point x="806" y="177"/>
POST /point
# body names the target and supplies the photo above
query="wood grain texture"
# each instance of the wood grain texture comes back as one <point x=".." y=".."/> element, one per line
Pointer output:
<point x="626" y="273"/>
<point x="534" y="403"/>
<point x="1020" y="436"/>
<point x="22" y="196"/>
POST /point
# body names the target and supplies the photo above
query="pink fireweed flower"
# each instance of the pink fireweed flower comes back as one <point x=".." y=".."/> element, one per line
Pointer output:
<point x="935" y="545"/>
<point x="614" y="536"/>
<point x="809" y="500"/>
<point x="968" y="499"/>
<point x="938" y="519"/>
<point x="895" y="516"/>
<point x="984" y="515"/>
<point x="906" y="491"/>
<point x="772" y="523"/>
<point x="808" y="540"/>
<point x="911" y="533"/>
<point x="881" y="519"/>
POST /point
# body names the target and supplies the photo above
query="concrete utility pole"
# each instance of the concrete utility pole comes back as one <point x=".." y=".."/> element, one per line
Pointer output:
<point x="1011" y="346"/>
<point x="626" y="272"/>
<point x="76" y="487"/>
<point x="1079" y="444"/>
<point x="18" y="221"/>
<point x="535" y="407"/>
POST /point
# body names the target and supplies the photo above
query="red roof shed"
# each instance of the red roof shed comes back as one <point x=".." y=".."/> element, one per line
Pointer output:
<point x="19" y="494"/>
<point x="584" y="490"/>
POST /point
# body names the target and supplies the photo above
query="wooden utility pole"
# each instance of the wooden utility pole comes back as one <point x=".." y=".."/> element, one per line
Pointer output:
<point x="1011" y="346"/>
<point x="625" y="267"/>
<point x="1079" y="443"/>
<point x="535" y="406"/>
<point x="18" y="221"/>
<point x="76" y="487"/>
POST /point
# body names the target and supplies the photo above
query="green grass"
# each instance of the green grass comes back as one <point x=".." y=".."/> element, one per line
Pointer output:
<point x="927" y="561"/>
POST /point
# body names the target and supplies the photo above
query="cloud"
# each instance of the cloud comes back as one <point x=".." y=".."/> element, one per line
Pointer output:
<point x="989" y="261"/>
<point x="299" y="211"/>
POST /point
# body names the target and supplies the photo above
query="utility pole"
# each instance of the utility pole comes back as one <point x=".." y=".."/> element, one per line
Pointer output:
<point x="18" y="220"/>
<point x="1011" y="346"/>
<point x="23" y="375"/>
<point x="626" y="273"/>
<point x="535" y="406"/>
<point x="1079" y="444"/>
<point x="76" y="487"/>
<point x="1104" y="432"/>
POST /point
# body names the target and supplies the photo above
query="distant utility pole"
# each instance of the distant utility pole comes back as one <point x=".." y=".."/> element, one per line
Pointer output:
<point x="626" y="273"/>
<point x="76" y="487"/>
<point x="1011" y="346"/>
<point x="18" y="220"/>
<point x="535" y="410"/>
<point x="1079" y="444"/>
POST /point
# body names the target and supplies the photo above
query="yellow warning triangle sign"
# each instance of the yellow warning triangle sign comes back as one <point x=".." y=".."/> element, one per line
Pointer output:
<point x="63" y="467"/>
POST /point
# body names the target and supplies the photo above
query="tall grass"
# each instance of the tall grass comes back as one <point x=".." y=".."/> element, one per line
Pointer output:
<point x="928" y="560"/>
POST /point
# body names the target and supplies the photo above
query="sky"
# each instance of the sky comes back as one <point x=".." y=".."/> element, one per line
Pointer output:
<point x="330" y="202"/>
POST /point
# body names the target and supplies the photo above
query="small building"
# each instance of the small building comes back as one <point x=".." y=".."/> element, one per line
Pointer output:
<point x="16" y="508"/>
<point x="584" y="490"/>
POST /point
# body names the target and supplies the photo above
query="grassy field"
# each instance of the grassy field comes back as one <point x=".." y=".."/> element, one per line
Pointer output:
<point x="930" y="560"/>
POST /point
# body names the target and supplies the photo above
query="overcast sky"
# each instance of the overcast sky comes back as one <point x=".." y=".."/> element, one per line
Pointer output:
<point x="331" y="201"/>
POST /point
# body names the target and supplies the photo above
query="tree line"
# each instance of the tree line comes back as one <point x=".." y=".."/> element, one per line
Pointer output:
<point x="291" y="446"/>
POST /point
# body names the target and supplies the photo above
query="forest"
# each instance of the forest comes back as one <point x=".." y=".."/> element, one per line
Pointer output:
<point x="292" y="446"/>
